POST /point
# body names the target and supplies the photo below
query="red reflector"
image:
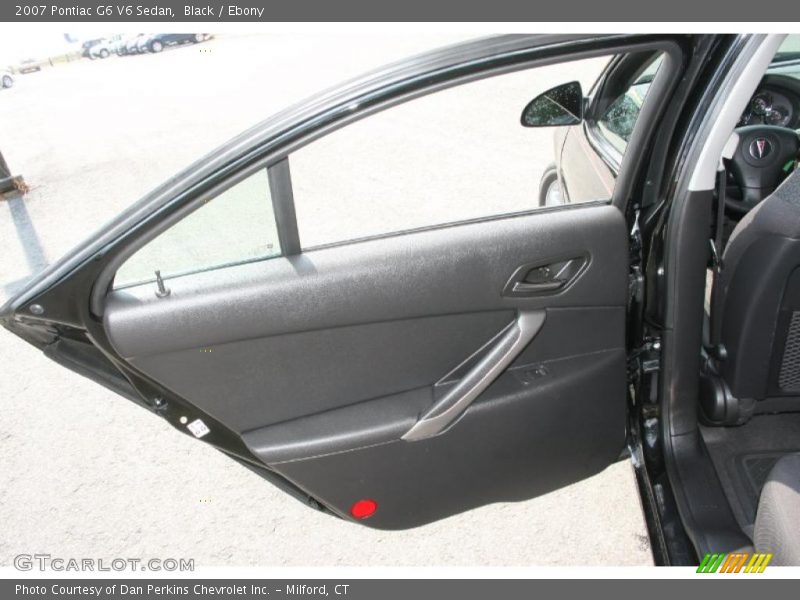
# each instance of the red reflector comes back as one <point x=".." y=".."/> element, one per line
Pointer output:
<point x="364" y="509"/>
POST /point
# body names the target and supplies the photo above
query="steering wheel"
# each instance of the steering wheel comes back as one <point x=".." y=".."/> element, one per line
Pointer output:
<point x="758" y="164"/>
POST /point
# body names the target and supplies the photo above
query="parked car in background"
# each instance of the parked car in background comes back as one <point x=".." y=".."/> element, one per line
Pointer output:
<point x="142" y="44"/>
<point x="122" y="46"/>
<point x="88" y="45"/>
<point x="158" y="41"/>
<point x="6" y="80"/>
<point x="132" y="44"/>
<point x="576" y="144"/>
<point x="29" y="65"/>
<point x="104" y="48"/>
<point x="154" y="42"/>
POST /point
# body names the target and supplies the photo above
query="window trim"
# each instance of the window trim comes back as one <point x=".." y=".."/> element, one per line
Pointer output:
<point x="282" y="194"/>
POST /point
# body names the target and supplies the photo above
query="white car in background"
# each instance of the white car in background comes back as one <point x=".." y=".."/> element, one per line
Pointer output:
<point x="104" y="49"/>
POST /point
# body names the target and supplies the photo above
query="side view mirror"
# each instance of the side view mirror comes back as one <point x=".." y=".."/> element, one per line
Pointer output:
<point x="561" y="105"/>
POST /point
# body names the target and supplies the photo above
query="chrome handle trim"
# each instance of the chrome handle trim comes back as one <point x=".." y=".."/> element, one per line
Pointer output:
<point x="453" y="404"/>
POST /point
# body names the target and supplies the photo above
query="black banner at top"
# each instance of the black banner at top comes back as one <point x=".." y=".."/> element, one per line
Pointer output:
<point x="408" y="10"/>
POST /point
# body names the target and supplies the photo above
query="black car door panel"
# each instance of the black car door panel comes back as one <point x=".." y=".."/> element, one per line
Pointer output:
<point x="505" y="448"/>
<point x="323" y="362"/>
<point x="271" y="379"/>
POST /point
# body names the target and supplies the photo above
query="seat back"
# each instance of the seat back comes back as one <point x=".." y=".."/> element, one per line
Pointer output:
<point x="760" y="285"/>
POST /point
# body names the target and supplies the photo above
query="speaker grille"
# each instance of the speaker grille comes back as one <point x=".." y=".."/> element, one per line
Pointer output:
<point x="789" y="377"/>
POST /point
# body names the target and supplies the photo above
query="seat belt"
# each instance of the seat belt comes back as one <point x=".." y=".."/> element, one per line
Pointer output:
<point x="716" y="242"/>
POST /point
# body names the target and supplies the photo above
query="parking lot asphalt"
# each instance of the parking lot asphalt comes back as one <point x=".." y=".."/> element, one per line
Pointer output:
<point x="85" y="473"/>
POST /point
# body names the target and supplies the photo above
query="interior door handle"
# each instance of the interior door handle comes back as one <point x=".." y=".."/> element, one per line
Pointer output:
<point x="453" y="404"/>
<point x="544" y="278"/>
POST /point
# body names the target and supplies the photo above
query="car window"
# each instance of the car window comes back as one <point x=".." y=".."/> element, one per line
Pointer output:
<point x="618" y="121"/>
<point x="236" y="226"/>
<point x="776" y="101"/>
<point x="786" y="61"/>
<point x="450" y="156"/>
<point x="789" y="50"/>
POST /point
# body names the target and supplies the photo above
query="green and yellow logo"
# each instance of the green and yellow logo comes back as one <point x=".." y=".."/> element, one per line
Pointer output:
<point x="736" y="562"/>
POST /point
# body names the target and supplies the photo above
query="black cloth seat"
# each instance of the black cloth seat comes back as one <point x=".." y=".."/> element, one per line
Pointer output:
<point x="760" y="304"/>
<point x="777" y="528"/>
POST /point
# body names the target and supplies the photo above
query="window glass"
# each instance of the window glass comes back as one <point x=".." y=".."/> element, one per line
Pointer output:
<point x="776" y="101"/>
<point x="236" y="226"/>
<point x="621" y="116"/>
<point x="450" y="156"/>
<point x="789" y="50"/>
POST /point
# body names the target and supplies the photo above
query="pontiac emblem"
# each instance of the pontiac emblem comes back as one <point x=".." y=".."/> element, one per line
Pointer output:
<point x="760" y="148"/>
